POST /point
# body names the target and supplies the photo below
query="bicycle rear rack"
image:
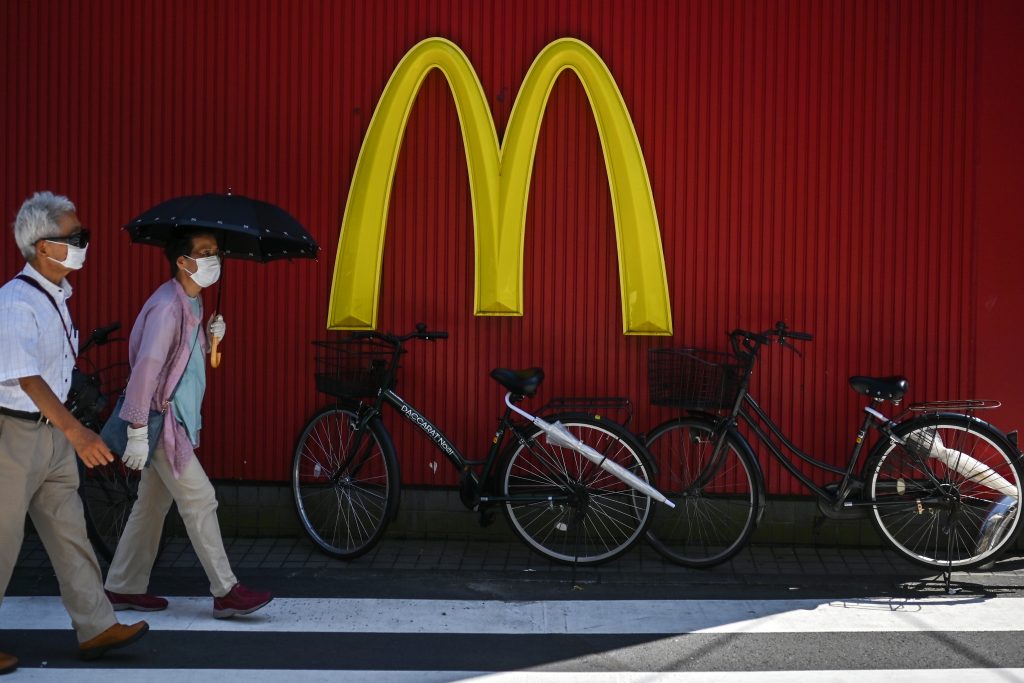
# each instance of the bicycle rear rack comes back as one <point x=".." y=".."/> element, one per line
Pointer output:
<point x="968" y="405"/>
<point x="590" y="404"/>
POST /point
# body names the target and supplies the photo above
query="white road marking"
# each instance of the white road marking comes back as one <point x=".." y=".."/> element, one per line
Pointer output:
<point x="340" y="615"/>
<point x="310" y="676"/>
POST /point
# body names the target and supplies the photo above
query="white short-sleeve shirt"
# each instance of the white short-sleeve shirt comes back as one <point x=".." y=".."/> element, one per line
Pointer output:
<point x="33" y="339"/>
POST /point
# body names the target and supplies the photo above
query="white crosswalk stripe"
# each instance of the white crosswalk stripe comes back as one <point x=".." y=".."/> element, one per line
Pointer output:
<point x="348" y="615"/>
<point x="305" y="676"/>
<point x="625" y="641"/>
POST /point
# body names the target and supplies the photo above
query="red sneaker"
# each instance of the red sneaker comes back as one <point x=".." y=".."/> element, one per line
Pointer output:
<point x="240" y="600"/>
<point x="141" y="602"/>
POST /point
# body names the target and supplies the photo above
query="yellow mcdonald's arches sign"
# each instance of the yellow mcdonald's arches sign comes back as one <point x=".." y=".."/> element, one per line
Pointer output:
<point x="499" y="179"/>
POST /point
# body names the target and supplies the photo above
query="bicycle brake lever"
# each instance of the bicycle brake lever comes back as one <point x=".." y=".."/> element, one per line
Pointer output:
<point x="783" y="342"/>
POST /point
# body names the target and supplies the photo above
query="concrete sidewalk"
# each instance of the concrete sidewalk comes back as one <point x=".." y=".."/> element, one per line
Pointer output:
<point x="815" y="566"/>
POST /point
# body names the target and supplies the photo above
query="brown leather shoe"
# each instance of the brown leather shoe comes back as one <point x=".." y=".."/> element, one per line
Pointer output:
<point x="8" y="663"/>
<point x="118" y="635"/>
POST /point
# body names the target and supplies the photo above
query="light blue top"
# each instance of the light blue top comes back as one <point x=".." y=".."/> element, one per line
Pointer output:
<point x="187" y="400"/>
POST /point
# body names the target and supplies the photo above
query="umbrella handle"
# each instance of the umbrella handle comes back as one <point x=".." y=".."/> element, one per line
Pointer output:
<point x="214" y="353"/>
<point x="214" y="339"/>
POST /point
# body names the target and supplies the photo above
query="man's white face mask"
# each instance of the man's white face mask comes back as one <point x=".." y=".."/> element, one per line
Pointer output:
<point x="75" y="258"/>
<point x="207" y="270"/>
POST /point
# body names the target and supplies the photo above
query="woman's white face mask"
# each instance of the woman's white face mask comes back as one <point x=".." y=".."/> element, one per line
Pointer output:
<point x="75" y="258"/>
<point x="207" y="270"/>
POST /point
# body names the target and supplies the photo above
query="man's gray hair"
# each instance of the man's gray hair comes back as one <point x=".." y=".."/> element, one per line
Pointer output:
<point x="39" y="218"/>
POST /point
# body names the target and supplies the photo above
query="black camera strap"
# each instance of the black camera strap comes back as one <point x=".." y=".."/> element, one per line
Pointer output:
<point x="49" y="297"/>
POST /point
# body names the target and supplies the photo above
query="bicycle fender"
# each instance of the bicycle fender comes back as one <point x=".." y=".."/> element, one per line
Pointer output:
<point x="398" y="466"/>
<point x="741" y="443"/>
<point x="744" y="445"/>
<point x="902" y="427"/>
<point x="378" y="423"/>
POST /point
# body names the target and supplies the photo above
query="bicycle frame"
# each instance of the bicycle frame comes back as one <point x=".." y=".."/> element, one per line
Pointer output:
<point x="745" y="408"/>
<point x="440" y="439"/>
<point x="554" y="433"/>
<point x="748" y="410"/>
<point x="447" y="447"/>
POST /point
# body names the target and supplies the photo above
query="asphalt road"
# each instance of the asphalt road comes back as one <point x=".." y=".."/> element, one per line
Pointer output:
<point x="407" y="624"/>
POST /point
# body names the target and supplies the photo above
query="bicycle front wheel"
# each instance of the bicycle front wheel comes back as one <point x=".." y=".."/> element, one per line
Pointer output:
<point x="345" y="482"/>
<point x="949" y="498"/>
<point x="108" y="494"/>
<point x="567" y="508"/>
<point x="718" y="498"/>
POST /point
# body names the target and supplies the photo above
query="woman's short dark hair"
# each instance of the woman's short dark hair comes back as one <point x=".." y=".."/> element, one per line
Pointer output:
<point x="180" y="244"/>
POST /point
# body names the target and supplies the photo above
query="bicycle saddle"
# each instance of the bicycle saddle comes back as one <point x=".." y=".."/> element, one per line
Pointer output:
<point x="888" y="388"/>
<point x="524" y="382"/>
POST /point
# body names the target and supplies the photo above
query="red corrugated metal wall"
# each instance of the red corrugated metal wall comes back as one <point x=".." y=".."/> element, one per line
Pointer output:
<point x="811" y="162"/>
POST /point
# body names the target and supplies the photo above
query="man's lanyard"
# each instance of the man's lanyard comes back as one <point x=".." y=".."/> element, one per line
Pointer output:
<point x="67" y="334"/>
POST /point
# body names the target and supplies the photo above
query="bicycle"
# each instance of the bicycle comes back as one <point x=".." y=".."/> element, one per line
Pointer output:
<point x="108" y="492"/>
<point x="940" y="485"/>
<point x="573" y="487"/>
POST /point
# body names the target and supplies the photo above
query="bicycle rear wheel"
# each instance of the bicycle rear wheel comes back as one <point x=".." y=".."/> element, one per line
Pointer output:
<point x="718" y="501"/>
<point x="950" y="497"/>
<point x="108" y="494"/>
<point x="345" y="482"/>
<point x="567" y="508"/>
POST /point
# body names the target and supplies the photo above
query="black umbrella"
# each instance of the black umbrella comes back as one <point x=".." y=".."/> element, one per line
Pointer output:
<point x="249" y="229"/>
<point x="246" y="228"/>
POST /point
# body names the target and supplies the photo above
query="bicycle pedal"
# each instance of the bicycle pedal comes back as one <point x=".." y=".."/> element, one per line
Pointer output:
<point x="856" y="486"/>
<point x="486" y="518"/>
<point x="825" y="511"/>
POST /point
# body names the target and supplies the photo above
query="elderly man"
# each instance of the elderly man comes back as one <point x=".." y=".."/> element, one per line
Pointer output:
<point x="38" y="436"/>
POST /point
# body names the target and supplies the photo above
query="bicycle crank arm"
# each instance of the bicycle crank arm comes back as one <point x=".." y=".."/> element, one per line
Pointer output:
<point x="539" y="498"/>
<point x="922" y="503"/>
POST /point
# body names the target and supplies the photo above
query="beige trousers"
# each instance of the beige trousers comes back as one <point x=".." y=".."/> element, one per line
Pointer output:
<point x="39" y="476"/>
<point x="136" y="551"/>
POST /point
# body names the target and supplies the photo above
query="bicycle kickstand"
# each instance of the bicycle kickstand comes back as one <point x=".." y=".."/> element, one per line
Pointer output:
<point x="576" y="519"/>
<point x="947" y="572"/>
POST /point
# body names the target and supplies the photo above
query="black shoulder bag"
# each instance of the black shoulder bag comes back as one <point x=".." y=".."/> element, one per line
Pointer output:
<point x="85" y="400"/>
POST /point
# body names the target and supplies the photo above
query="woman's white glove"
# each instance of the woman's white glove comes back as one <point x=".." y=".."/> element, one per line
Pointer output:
<point x="136" y="453"/>
<point x="216" y="327"/>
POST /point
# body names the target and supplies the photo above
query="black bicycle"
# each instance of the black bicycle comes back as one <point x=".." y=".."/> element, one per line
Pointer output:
<point x="940" y="485"/>
<point x="108" y="492"/>
<point x="573" y="486"/>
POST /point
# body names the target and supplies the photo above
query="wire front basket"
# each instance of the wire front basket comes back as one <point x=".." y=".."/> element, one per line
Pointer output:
<point x="695" y="379"/>
<point x="352" y="368"/>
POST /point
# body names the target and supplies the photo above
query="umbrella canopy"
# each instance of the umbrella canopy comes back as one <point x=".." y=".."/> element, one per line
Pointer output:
<point x="247" y="228"/>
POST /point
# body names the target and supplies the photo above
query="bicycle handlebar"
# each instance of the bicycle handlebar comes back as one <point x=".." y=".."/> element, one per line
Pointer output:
<point x="752" y="340"/>
<point x="100" y="335"/>
<point x="397" y="340"/>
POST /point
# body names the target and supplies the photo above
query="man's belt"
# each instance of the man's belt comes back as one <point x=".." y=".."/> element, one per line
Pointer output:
<point x="23" y="415"/>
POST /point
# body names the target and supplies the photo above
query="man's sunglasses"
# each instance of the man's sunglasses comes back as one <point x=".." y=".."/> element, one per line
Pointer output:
<point x="78" y="239"/>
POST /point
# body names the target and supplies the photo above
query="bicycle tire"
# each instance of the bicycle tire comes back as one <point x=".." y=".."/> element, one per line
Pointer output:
<point x="344" y="507"/>
<point x="713" y="522"/>
<point x="957" y="521"/>
<point x="603" y="517"/>
<point x="108" y="494"/>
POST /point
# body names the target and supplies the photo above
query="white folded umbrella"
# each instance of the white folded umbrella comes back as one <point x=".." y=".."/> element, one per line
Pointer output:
<point x="970" y="467"/>
<point x="558" y="435"/>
